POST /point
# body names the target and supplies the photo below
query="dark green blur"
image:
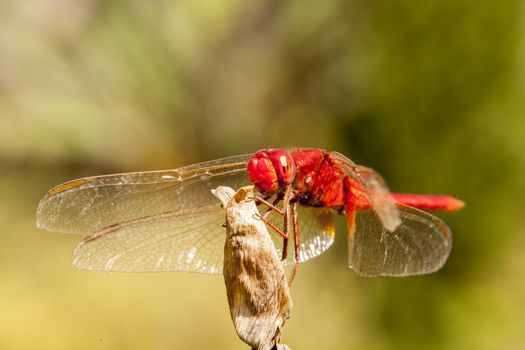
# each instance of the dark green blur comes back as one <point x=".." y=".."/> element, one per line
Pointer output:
<point x="431" y="94"/>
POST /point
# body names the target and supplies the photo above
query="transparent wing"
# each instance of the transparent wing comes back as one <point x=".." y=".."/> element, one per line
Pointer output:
<point x="376" y="189"/>
<point x="91" y="204"/>
<point x="420" y="244"/>
<point x="146" y="221"/>
<point x="316" y="233"/>
<point x="190" y="240"/>
<point x="185" y="240"/>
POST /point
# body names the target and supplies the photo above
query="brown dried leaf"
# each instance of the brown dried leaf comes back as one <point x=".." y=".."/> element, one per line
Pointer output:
<point x="256" y="284"/>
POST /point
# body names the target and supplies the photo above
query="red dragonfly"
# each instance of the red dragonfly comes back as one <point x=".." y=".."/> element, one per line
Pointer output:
<point x="170" y="221"/>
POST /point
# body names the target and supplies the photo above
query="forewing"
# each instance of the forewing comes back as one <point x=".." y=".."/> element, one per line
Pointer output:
<point x="91" y="204"/>
<point x="184" y="240"/>
<point x="376" y="189"/>
<point x="316" y="233"/>
<point x="420" y="244"/>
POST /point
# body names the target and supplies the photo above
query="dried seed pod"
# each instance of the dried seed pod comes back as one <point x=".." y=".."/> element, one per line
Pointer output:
<point x="256" y="284"/>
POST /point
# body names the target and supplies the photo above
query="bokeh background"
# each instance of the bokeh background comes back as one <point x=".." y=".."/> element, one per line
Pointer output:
<point x="429" y="93"/>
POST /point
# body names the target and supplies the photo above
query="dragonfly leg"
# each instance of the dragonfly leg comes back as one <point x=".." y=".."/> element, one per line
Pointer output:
<point x="283" y="234"/>
<point x="285" y="212"/>
<point x="272" y="206"/>
<point x="273" y="227"/>
<point x="297" y="246"/>
<point x="265" y="219"/>
<point x="286" y="228"/>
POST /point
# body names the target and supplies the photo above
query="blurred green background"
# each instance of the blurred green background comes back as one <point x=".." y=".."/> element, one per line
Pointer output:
<point x="431" y="94"/>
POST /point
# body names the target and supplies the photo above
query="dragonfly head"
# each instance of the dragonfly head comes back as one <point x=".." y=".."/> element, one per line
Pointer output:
<point x="271" y="169"/>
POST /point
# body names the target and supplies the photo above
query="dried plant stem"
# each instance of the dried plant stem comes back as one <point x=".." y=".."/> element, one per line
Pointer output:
<point x="256" y="284"/>
<point x="278" y="347"/>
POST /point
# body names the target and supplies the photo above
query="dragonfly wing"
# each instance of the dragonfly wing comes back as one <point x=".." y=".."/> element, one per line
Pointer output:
<point x="185" y="240"/>
<point x="420" y="244"/>
<point x="91" y="204"/>
<point x="380" y="197"/>
<point x="316" y="233"/>
<point x="376" y="189"/>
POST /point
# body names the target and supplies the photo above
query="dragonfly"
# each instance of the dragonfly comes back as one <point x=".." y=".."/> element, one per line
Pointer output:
<point x="170" y="221"/>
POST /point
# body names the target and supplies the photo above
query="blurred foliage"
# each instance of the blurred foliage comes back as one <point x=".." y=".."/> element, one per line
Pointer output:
<point x="431" y="94"/>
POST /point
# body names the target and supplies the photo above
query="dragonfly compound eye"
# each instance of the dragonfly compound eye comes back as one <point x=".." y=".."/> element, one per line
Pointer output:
<point x="283" y="164"/>
<point x="262" y="173"/>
